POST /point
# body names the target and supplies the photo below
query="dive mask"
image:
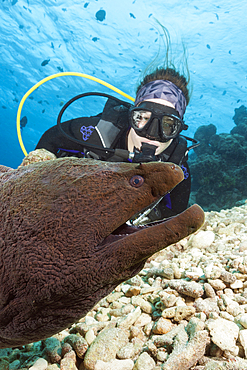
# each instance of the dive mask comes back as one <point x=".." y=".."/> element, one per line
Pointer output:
<point x="156" y="121"/>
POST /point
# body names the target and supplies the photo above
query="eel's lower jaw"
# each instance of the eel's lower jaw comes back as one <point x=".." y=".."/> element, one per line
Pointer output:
<point x="126" y="229"/>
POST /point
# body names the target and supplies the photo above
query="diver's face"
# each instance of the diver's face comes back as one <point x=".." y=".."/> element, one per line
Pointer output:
<point x="136" y="141"/>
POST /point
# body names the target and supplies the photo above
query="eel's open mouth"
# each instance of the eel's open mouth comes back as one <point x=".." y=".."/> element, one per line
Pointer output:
<point x="126" y="229"/>
<point x="178" y="227"/>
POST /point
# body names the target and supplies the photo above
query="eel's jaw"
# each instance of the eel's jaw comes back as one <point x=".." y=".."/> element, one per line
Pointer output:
<point x="167" y="231"/>
<point x="128" y="247"/>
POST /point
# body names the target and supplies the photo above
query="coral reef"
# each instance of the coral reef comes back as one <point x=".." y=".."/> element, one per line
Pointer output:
<point x="218" y="165"/>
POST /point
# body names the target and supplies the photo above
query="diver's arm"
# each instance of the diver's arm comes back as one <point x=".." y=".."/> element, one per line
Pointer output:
<point x="180" y="194"/>
<point x="176" y="201"/>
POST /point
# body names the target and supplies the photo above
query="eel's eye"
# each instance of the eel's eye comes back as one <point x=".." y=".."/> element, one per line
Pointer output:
<point x="136" y="181"/>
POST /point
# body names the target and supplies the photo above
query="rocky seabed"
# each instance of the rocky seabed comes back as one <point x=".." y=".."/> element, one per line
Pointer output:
<point x="187" y="309"/>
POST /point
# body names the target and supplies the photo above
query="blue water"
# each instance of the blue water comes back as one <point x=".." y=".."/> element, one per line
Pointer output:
<point x="115" y="41"/>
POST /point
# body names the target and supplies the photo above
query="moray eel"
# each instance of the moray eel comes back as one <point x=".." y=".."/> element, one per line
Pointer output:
<point x="64" y="244"/>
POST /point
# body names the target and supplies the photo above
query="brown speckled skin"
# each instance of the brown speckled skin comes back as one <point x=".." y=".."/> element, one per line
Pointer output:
<point x="54" y="216"/>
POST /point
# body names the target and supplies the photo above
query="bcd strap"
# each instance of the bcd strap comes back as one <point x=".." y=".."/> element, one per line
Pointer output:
<point x="107" y="132"/>
<point x="176" y="151"/>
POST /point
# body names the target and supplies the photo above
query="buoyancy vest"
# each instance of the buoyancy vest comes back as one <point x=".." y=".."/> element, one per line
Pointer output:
<point x="104" y="130"/>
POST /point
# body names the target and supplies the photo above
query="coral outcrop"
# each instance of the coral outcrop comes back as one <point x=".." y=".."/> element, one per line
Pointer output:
<point x="219" y="166"/>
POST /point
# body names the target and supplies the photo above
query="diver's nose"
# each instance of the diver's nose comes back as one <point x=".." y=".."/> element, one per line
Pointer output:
<point x="153" y="130"/>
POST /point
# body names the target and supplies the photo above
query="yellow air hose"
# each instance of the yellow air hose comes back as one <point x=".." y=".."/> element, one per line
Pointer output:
<point x="78" y="74"/>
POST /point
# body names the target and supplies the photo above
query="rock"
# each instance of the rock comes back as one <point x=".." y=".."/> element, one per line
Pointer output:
<point x="38" y="155"/>
<point x="161" y="354"/>
<point x="68" y="364"/>
<point x="128" y="320"/>
<point x="228" y="277"/>
<point x="70" y="355"/>
<point x="176" y="271"/>
<point x="66" y="347"/>
<point x="206" y="305"/>
<point x="214" y="351"/>
<point x="113" y="297"/>
<point x="15" y="365"/>
<point x="133" y="291"/>
<point x="137" y="332"/>
<point x="186" y="353"/>
<point x="188" y="288"/>
<point x="230" y="229"/>
<point x="40" y="364"/>
<point x="232" y="307"/>
<point x="212" y="272"/>
<point x="138" y="345"/>
<point x="213" y="315"/>
<point x="243" y="246"/>
<point x="243" y="340"/>
<point x="78" y="343"/>
<point x="105" y="346"/>
<point x="127" y="308"/>
<point x="243" y="320"/>
<point x="52" y="349"/>
<point x="168" y="272"/>
<point x="162" y="326"/>
<point x="169" y="300"/>
<point x="236" y="364"/>
<point x="144" y="305"/>
<point x="144" y="362"/>
<point x="135" y="280"/>
<point x="238" y="284"/>
<point x="53" y="367"/>
<point x="180" y="302"/>
<point x="224" y="334"/>
<point x="195" y="325"/>
<point x="143" y="320"/>
<point x="168" y="338"/>
<point x="90" y="336"/>
<point x="90" y="320"/>
<point x="203" y="239"/>
<point x="183" y="312"/>
<point x="217" y="284"/>
<point x="103" y="314"/>
<point x="169" y="313"/>
<point x="127" y="351"/>
<point x="114" y="365"/>
<point x="150" y="289"/>
<point x="148" y="328"/>
<point x="196" y="274"/>
<point x="4" y="364"/>
<point x="226" y="315"/>
<point x="229" y="292"/>
<point x="201" y="316"/>
<point x="210" y="293"/>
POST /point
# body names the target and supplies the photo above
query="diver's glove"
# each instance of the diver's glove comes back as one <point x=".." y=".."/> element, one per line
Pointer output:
<point x="146" y="154"/>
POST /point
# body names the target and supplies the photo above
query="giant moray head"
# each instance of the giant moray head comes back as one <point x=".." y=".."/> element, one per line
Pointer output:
<point x="83" y="205"/>
<point x="86" y="199"/>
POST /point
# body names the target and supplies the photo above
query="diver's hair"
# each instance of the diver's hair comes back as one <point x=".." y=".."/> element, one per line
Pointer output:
<point x="166" y="69"/>
<point x="168" y="74"/>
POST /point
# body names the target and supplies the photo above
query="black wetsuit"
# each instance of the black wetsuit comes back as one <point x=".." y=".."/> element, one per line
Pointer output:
<point x="109" y="129"/>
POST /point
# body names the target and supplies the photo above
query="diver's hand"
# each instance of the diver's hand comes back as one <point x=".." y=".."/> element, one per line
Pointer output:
<point x="147" y="154"/>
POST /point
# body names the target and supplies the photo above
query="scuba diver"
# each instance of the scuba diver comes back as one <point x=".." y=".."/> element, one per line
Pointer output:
<point x="149" y="130"/>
